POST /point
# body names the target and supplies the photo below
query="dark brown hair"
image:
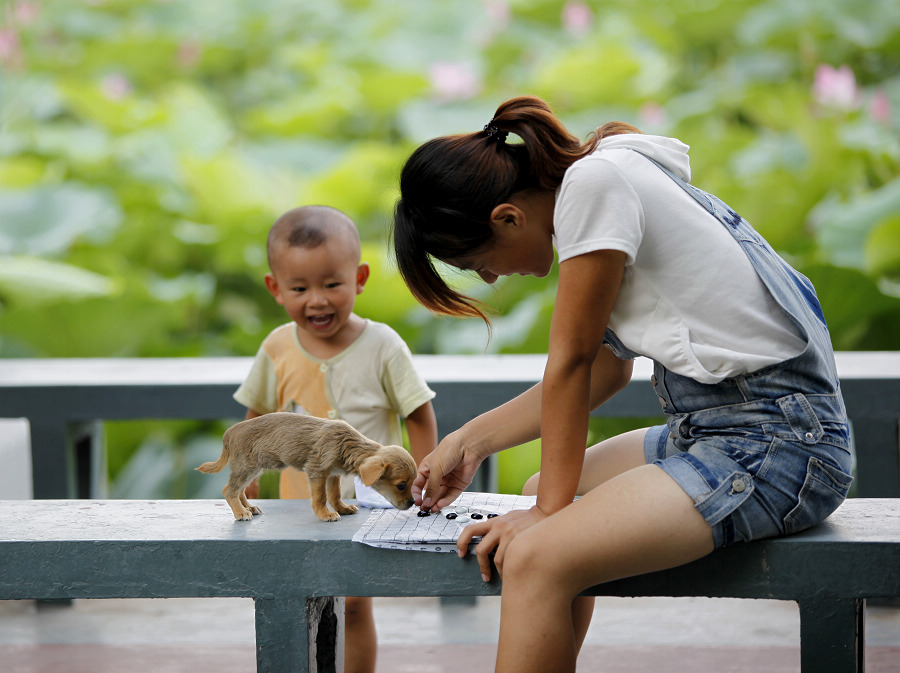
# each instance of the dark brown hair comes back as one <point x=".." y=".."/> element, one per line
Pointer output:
<point x="450" y="185"/>
<point x="310" y="227"/>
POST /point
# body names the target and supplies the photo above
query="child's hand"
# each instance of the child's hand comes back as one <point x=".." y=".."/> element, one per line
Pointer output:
<point x="496" y="535"/>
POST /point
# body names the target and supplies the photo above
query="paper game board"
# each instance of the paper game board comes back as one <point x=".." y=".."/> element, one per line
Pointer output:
<point x="395" y="529"/>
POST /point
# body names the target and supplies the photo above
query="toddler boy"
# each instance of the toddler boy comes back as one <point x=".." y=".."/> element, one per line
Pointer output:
<point x="331" y="363"/>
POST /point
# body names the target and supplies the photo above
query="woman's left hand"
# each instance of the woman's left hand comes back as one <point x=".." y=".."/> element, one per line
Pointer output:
<point x="496" y="534"/>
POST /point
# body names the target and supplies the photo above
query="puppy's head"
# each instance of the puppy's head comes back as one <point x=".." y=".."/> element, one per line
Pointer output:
<point x="390" y="472"/>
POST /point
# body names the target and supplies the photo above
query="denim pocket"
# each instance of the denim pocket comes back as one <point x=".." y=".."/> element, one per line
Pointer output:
<point x="824" y="489"/>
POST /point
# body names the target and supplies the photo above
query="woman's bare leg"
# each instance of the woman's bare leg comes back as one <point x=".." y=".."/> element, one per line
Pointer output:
<point x="634" y="523"/>
<point x="602" y="462"/>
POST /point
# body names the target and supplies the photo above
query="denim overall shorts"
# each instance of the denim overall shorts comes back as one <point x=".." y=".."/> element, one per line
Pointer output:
<point x="766" y="453"/>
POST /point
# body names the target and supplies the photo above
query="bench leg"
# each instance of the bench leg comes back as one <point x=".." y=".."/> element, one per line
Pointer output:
<point x="832" y="635"/>
<point x="49" y="451"/>
<point x="294" y="635"/>
<point x="875" y="441"/>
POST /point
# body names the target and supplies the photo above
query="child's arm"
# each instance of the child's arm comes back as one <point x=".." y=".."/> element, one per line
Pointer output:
<point x="421" y="426"/>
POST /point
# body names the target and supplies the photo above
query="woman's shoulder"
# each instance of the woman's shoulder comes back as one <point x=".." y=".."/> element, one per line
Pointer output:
<point x="600" y="174"/>
<point x="630" y="165"/>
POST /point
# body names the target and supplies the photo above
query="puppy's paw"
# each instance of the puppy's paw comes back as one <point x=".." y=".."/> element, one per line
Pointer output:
<point x="255" y="510"/>
<point x="344" y="508"/>
<point x="244" y="515"/>
<point x="325" y="514"/>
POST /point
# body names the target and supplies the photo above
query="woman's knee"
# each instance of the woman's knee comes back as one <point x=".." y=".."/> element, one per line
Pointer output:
<point x="528" y="562"/>
<point x="531" y="486"/>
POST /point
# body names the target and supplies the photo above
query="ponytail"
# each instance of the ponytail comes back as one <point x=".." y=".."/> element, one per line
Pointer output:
<point x="450" y="185"/>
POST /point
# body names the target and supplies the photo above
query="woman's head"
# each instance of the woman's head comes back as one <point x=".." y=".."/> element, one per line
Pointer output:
<point x="450" y="186"/>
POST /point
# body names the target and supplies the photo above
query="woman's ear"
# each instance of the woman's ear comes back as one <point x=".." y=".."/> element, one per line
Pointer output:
<point x="506" y="214"/>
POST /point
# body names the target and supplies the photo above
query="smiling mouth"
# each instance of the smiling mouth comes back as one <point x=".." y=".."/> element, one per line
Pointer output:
<point x="321" y="321"/>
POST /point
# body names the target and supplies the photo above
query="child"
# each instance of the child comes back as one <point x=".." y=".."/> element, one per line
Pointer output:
<point x="331" y="363"/>
<point x="756" y="441"/>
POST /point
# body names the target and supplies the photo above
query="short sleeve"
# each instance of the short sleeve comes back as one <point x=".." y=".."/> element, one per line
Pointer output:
<point x="259" y="391"/>
<point x="404" y="386"/>
<point x="597" y="209"/>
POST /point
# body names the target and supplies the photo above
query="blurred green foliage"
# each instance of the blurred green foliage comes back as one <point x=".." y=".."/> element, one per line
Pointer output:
<point x="146" y="147"/>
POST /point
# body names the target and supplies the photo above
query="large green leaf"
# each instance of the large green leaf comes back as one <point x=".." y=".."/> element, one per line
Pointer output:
<point x="883" y="248"/>
<point x="47" y="220"/>
<point x="29" y="280"/>
<point x="842" y="225"/>
<point x="852" y="303"/>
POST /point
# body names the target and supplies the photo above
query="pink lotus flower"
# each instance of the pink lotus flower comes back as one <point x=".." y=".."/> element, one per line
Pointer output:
<point x="836" y="87"/>
<point x="10" y="48"/>
<point x="25" y="12"/>
<point x="454" y="81"/>
<point x="189" y="54"/>
<point x="880" y="107"/>
<point x="652" y="114"/>
<point x="497" y="12"/>
<point x="115" y="86"/>
<point x="577" y="18"/>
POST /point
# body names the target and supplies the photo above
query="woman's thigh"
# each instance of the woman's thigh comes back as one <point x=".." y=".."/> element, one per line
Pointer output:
<point x="637" y="522"/>
<point x="604" y="461"/>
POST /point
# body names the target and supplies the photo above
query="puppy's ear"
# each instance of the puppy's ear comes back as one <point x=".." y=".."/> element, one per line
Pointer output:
<point x="371" y="470"/>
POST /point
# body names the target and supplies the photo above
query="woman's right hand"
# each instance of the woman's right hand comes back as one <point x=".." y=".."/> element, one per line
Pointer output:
<point x="445" y="473"/>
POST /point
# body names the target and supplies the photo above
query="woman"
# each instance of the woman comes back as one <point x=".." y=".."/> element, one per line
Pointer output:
<point x="756" y="441"/>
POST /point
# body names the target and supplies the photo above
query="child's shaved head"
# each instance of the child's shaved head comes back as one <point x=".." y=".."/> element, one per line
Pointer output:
<point x="310" y="227"/>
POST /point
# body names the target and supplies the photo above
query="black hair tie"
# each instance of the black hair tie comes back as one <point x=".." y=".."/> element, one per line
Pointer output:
<point x="493" y="132"/>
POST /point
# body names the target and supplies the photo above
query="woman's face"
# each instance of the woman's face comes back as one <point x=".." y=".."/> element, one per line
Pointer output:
<point x="522" y="242"/>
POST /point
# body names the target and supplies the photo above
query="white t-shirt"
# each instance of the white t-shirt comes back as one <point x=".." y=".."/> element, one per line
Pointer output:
<point x="371" y="384"/>
<point x="690" y="298"/>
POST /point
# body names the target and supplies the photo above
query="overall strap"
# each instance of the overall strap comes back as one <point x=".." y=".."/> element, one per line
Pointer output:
<point x="790" y="288"/>
<point x="714" y="206"/>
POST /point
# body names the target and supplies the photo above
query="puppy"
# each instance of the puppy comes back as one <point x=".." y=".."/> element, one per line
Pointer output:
<point x="323" y="449"/>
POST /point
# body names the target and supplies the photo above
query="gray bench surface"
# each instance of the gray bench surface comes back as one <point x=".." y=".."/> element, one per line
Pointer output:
<point x="287" y="561"/>
<point x="57" y="395"/>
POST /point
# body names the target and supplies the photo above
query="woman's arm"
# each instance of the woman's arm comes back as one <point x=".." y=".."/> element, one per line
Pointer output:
<point x="444" y="474"/>
<point x="588" y="287"/>
<point x="519" y="420"/>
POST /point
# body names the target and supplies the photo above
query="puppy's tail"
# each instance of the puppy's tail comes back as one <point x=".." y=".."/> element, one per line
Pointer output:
<point x="218" y="465"/>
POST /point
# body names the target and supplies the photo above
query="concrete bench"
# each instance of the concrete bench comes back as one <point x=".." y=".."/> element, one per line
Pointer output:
<point x="65" y="400"/>
<point x="293" y="565"/>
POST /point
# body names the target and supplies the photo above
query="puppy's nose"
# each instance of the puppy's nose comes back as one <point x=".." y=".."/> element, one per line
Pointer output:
<point x="409" y="503"/>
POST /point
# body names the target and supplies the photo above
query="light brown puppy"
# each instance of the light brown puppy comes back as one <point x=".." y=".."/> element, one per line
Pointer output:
<point x="323" y="449"/>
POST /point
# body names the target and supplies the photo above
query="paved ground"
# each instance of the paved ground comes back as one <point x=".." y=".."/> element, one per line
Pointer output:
<point x="420" y="636"/>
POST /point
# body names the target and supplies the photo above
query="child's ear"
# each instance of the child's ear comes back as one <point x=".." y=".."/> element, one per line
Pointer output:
<point x="362" y="276"/>
<point x="272" y="287"/>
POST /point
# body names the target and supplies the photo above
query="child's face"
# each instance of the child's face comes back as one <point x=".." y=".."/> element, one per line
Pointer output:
<point x="318" y="286"/>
